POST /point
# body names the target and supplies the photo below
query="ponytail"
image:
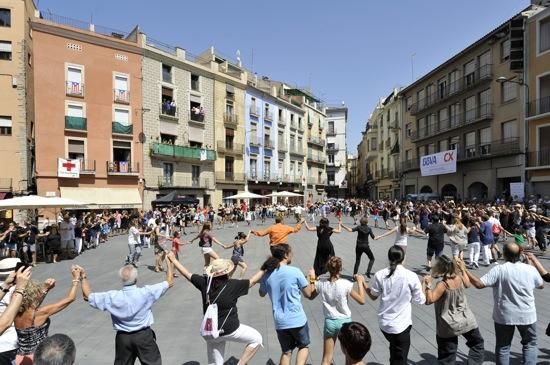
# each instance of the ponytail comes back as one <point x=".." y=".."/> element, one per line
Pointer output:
<point x="279" y="253"/>
<point x="396" y="255"/>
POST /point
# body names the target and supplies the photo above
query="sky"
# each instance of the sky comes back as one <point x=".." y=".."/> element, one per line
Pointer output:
<point x="352" y="51"/>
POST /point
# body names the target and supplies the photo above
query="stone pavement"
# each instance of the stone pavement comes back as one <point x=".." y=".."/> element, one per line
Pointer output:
<point x="178" y="313"/>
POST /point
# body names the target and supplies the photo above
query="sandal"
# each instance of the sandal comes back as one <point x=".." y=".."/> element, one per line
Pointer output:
<point x="157" y="269"/>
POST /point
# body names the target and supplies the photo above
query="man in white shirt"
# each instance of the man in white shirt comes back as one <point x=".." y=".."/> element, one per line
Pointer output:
<point x="66" y="230"/>
<point x="8" y="340"/>
<point x="513" y="286"/>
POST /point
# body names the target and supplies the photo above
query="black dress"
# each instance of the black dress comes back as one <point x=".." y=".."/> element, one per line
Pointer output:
<point x="325" y="250"/>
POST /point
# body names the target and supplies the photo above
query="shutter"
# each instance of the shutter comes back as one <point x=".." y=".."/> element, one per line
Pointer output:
<point x="544" y="34"/>
<point x="469" y="67"/>
<point x="485" y="59"/>
<point x="121" y="83"/>
<point x="470" y="139"/>
<point x="122" y="116"/>
<point x="74" y="74"/>
<point x="75" y="111"/>
<point x="167" y="92"/>
<point x="229" y="132"/>
<point x="76" y="146"/>
<point x="485" y="135"/>
<point x="230" y="89"/>
<point x="5" y="122"/>
<point x="122" y="144"/>
<point x="5" y="46"/>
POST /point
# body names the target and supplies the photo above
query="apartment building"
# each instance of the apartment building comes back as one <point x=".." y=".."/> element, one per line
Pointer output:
<point x="16" y="90"/>
<point x="336" y="151"/>
<point x="316" y="143"/>
<point x="87" y="87"/>
<point x="463" y="105"/>
<point x="351" y="176"/>
<point x="361" y="186"/>
<point x="538" y="110"/>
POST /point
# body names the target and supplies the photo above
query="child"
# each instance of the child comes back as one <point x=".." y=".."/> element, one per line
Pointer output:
<point x="238" y="251"/>
<point x="248" y="217"/>
<point x="355" y="342"/>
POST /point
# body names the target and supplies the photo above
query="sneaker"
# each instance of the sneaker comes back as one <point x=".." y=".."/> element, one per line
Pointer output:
<point x="476" y="265"/>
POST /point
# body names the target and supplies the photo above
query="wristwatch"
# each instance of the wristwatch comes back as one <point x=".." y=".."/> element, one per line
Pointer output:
<point x="5" y="290"/>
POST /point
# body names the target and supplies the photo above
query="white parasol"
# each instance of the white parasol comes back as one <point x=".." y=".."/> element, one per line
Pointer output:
<point x="35" y="202"/>
<point x="245" y="195"/>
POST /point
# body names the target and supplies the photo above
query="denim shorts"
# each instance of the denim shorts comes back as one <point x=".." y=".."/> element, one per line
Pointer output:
<point x="290" y="338"/>
<point x="332" y="326"/>
<point x="11" y="246"/>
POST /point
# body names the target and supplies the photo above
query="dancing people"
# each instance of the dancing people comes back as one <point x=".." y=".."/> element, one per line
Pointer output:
<point x="458" y="235"/>
<point x="278" y="233"/>
<point x="362" y="246"/>
<point x="401" y="233"/>
<point x="355" y="341"/>
<point x="325" y="249"/>
<point x="206" y="238"/>
<point x="237" y="256"/>
<point x="436" y="235"/>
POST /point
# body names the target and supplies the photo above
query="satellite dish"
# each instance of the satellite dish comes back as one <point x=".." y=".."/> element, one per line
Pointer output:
<point x="142" y="137"/>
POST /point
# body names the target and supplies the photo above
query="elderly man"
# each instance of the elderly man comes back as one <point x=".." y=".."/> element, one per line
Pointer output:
<point x="130" y="310"/>
<point x="513" y="285"/>
<point x="58" y="349"/>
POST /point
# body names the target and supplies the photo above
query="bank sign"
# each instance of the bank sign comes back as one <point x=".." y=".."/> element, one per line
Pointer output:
<point x="439" y="163"/>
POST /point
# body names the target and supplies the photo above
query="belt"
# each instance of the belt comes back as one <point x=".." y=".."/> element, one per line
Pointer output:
<point x="132" y="332"/>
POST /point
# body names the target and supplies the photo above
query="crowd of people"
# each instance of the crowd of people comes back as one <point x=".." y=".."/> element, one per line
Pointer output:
<point x="500" y="234"/>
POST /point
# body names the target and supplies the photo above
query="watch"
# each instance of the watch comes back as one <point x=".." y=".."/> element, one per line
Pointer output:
<point x="5" y="290"/>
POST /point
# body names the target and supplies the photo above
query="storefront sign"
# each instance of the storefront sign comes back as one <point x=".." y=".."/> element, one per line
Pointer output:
<point x="438" y="163"/>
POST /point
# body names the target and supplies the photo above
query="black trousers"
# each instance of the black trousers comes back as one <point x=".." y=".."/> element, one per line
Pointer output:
<point x="446" y="348"/>
<point x="8" y="357"/>
<point x="141" y="345"/>
<point x="399" y="346"/>
<point x="359" y="251"/>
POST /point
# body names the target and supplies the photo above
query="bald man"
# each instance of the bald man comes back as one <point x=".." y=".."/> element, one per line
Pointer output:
<point x="513" y="286"/>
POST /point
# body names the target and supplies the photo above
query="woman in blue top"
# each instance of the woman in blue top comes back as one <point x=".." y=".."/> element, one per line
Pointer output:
<point x="487" y="239"/>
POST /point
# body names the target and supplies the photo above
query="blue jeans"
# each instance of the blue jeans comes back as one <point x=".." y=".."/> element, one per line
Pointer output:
<point x="505" y="333"/>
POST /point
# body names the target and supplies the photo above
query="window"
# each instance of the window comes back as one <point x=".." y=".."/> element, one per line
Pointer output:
<point x="431" y="148"/>
<point x="485" y="141"/>
<point x="470" y="105"/>
<point x="167" y="173"/>
<point x="75" y="86"/>
<point x="381" y="121"/>
<point x="5" y="18"/>
<point x="331" y="177"/>
<point x="253" y="168"/>
<point x="167" y="138"/>
<point x="331" y="159"/>
<point x="195" y="84"/>
<point x="166" y="73"/>
<point x="509" y="131"/>
<point x="469" y="73"/>
<point x="331" y="128"/>
<point x="75" y="149"/>
<point x="281" y="168"/>
<point x="292" y="168"/>
<point x="5" y="125"/>
<point x="543" y="143"/>
<point x="253" y="133"/>
<point x="229" y="167"/>
<point x="509" y="91"/>
<point x="505" y="50"/>
<point x="544" y="35"/>
<point x="409" y="103"/>
<point x="443" y="145"/>
<point x="267" y="137"/>
<point x="408" y="129"/>
<point x="421" y="99"/>
<point x="443" y="117"/>
<point x="408" y="155"/>
<point x="373" y="144"/>
<point x="422" y="130"/>
<point x="430" y="93"/>
<point x="388" y="116"/>
<point x="485" y="97"/>
<point x="454" y="82"/>
<point x="168" y="101"/>
<point x="484" y="65"/>
<point x="122" y="116"/>
<point x="122" y="94"/>
<point x="229" y="108"/>
<point x="267" y="169"/>
<point x="300" y="169"/>
<point x="454" y="143"/>
<point x="229" y="137"/>
<point x="300" y="144"/>
<point x="442" y="88"/>
<point x="470" y="144"/>
<point x="75" y="110"/>
<point x="267" y="112"/>
<point x="543" y="104"/>
<point x="122" y="155"/>
<point x="195" y="175"/>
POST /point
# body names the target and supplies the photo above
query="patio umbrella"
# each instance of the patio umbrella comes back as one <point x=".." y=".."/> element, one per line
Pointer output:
<point x="285" y="194"/>
<point x="245" y="195"/>
<point x="36" y="202"/>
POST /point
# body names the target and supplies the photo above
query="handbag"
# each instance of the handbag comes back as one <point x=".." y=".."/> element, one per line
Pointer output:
<point x="209" y="325"/>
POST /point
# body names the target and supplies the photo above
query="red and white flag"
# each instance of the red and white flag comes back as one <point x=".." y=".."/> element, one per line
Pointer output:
<point x="68" y="168"/>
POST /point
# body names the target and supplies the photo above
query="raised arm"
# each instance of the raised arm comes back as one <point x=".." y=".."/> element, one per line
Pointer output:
<point x="536" y="263"/>
<point x="214" y="239"/>
<point x="391" y="231"/>
<point x="256" y="278"/>
<point x="7" y="318"/>
<point x="359" y="294"/>
<point x="86" y="288"/>
<point x="474" y="280"/>
<point x="434" y="295"/>
<point x="310" y="228"/>
<point x="51" y="309"/>
<point x="172" y="258"/>
<point x="169" y="273"/>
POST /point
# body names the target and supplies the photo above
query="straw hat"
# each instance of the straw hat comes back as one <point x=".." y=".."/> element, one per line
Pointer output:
<point x="219" y="267"/>
<point x="8" y="265"/>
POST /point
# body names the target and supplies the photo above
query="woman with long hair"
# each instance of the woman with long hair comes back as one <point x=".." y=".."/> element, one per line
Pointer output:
<point x="325" y="249"/>
<point x="458" y="235"/>
<point x="217" y="287"/>
<point x="33" y="321"/>
<point x="362" y="246"/>
<point x="396" y="287"/>
<point x="334" y="293"/>
<point x="453" y="315"/>
<point x="402" y="232"/>
<point x="206" y="238"/>
<point x="158" y="239"/>
<point x="237" y="257"/>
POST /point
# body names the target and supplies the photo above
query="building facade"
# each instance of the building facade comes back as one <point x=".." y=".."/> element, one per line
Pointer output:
<point x="461" y="106"/>
<point x="361" y="186"/>
<point x="336" y="151"/>
<point x="87" y="88"/>
<point x="16" y="101"/>
<point x="351" y="176"/>
<point x="316" y="145"/>
<point x="537" y="45"/>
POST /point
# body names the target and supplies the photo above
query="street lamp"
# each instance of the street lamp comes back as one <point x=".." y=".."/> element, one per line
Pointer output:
<point x="502" y="80"/>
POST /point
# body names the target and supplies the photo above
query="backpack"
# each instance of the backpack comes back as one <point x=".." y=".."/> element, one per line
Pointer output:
<point x="209" y="325"/>
<point x="496" y="228"/>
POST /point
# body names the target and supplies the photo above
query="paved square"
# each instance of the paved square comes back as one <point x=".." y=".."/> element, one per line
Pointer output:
<point x="178" y="313"/>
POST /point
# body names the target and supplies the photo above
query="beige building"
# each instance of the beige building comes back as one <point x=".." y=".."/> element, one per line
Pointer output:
<point x="351" y="176"/>
<point x="461" y="106"/>
<point x="537" y="44"/>
<point x="16" y="101"/>
<point x="361" y="186"/>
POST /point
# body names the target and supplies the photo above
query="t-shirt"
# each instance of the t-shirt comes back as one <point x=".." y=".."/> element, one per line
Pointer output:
<point x="513" y="285"/>
<point x="33" y="231"/>
<point x="227" y="301"/>
<point x="133" y="236"/>
<point x="363" y="233"/>
<point x="66" y="230"/>
<point x="205" y="240"/>
<point x="284" y="286"/>
<point x="436" y="234"/>
<point x="486" y="230"/>
<point x="335" y="297"/>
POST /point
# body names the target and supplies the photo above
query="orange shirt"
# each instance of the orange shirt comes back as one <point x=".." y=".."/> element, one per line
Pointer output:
<point x="278" y="233"/>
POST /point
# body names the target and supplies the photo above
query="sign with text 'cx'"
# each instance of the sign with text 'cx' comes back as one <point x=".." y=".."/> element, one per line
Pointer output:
<point x="438" y="163"/>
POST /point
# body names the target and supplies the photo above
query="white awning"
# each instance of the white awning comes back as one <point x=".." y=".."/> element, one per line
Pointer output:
<point x="104" y="198"/>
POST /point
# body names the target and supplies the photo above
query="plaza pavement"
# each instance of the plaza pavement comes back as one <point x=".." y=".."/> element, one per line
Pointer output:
<point x="178" y="313"/>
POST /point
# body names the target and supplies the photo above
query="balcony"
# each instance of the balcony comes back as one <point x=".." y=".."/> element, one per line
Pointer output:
<point x="76" y="123"/>
<point x="282" y="147"/>
<point x="119" y="128"/>
<point x="197" y="117"/>
<point x="230" y="119"/>
<point x="282" y="121"/>
<point x="316" y="158"/>
<point x="312" y="180"/>
<point x="383" y="173"/>
<point x="268" y="143"/>
<point x="480" y="75"/>
<point x="411" y="164"/>
<point x="294" y="150"/>
<point x="538" y="107"/>
<point x="254" y="111"/>
<point x="168" y="111"/>
<point x="74" y="88"/>
<point x="121" y="96"/>
<point x="388" y="143"/>
<point x="331" y="132"/>
<point x="178" y="181"/>
<point x="509" y="146"/>
<point x="5" y="184"/>
<point x="230" y="177"/>
<point x="293" y="125"/>
<point x="87" y="167"/>
<point x="254" y="140"/>
<point x="316" y="141"/>
<point x="332" y="148"/>
<point x="162" y="150"/>
<point x="230" y="148"/>
<point x="538" y="159"/>
<point x="480" y="113"/>
<point x="122" y="168"/>
<point x="268" y="116"/>
<point x="301" y="127"/>
<point x="372" y="154"/>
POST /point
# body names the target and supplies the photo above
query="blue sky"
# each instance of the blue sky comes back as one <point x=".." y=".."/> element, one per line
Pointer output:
<point x="345" y="50"/>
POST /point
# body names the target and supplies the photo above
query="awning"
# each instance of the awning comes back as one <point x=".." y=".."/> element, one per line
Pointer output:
<point x="104" y="198"/>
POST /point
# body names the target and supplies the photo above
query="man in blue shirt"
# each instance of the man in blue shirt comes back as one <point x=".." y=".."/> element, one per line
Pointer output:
<point x="284" y="284"/>
<point x="130" y="310"/>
